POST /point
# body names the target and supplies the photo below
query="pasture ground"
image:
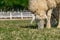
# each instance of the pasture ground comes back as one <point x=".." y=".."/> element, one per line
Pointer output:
<point x="23" y="30"/>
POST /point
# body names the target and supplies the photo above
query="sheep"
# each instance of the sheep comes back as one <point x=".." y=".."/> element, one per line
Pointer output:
<point x="43" y="9"/>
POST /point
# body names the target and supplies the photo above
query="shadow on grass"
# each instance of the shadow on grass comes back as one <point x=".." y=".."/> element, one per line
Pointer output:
<point x="36" y="26"/>
<point x="31" y="26"/>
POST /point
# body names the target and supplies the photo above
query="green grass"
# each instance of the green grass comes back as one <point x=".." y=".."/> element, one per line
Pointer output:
<point x="21" y="30"/>
<point x="17" y="23"/>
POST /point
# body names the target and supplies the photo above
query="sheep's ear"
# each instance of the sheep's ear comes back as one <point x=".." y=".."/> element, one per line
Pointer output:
<point x="32" y="20"/>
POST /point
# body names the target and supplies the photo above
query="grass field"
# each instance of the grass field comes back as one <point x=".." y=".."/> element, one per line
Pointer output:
<point x="23" y="30"/>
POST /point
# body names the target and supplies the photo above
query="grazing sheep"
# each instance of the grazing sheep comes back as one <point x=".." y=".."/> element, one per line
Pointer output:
<point x="43" y="10"/>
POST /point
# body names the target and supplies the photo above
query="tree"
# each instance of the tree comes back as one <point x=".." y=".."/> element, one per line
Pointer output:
<point x="5" y="4"/>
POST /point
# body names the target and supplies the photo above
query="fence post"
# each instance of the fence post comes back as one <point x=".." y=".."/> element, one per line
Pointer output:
<point x="21" y="15"/>
<point x="10" y="15"/>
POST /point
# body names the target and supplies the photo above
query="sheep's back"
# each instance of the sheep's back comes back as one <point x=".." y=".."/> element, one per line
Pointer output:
<point x="34" y="5"/>
<point x="51" y="3"/>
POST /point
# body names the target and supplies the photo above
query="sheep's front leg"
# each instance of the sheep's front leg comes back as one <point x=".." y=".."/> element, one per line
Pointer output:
<point x="48" y="18"/>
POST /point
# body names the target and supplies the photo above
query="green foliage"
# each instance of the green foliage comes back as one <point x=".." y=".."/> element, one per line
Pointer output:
<point x="1" y="3"/>
<point x="13" y="3"/>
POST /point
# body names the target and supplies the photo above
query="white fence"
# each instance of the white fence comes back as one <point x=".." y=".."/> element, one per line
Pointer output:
<point x="16" y="14"/>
